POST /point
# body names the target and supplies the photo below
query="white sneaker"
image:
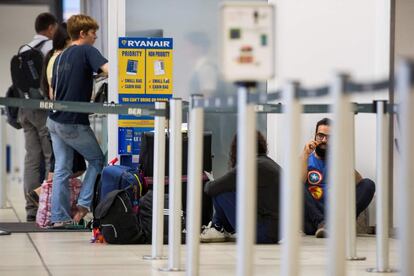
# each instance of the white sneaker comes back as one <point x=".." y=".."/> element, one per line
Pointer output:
<point x="230" y="237"/>
<point x="211" y="234"/>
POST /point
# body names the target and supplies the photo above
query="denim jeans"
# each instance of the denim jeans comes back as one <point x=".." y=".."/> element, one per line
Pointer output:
<point x="225" y="216"/>
<point x="314" y="212"/>
<point x="65" y="139"/>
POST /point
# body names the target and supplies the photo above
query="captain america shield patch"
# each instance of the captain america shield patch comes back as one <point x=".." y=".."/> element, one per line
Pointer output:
<point x="314" y="177"/>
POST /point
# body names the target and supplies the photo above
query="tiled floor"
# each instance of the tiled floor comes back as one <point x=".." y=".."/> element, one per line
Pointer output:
<point x="72" y="254"/>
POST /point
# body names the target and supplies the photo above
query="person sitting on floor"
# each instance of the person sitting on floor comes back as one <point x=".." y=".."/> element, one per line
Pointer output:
<point x="223" y="190"/>
<point x="315" y="187"/>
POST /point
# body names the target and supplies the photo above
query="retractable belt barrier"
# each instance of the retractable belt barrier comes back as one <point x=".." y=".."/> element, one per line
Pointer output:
<point x="246" y="104"/>
<point x="84" y="107"/>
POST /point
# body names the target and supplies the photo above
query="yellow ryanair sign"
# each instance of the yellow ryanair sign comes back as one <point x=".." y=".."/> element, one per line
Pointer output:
<point x="145" y="66"/>
<point x="145" y="71"/>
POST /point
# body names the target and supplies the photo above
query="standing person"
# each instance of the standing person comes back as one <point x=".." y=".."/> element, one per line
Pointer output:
<point x="314" y="179"/>
<point x="223" y="190"/>
<point x="60" y="41"/>
<point x="72" y="81"/>
<point x="36" y="135"/>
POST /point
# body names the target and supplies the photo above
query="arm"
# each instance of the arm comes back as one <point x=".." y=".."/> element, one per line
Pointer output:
<point x="104" y="68"/>
<point x="307" y="150"/>
<point x="226" y="183"/>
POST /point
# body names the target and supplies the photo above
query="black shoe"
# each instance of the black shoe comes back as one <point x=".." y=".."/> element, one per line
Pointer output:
<point x="33" y="197"/>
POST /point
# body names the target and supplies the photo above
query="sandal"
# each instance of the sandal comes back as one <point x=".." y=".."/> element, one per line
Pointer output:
<point x="69" y="225"/>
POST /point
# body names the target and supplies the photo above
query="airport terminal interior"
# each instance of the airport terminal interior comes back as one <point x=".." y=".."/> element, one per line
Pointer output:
<point x="314" y="82"/>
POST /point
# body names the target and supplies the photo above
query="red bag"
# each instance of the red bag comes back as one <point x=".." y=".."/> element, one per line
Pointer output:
<point x="45" y="201"/>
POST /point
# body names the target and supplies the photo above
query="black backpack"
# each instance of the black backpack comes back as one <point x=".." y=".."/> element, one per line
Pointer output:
<point x="116" y="220"/>
<point x="12" y="112"/>
<point x="26" y="71"/>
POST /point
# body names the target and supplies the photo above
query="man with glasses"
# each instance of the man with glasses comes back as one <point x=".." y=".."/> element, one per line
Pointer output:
<point x="315" y="174"/>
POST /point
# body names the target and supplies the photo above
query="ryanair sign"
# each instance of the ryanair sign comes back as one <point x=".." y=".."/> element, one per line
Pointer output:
<point x="145" y="42"/>
<point x="145" y="75"/>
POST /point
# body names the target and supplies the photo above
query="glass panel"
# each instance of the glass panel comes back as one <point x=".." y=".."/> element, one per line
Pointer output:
<point x="70" y="7"/>
<point x="193" y="24"/>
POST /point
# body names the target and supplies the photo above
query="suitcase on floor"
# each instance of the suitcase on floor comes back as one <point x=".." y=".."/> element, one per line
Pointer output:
<point x="146" y="156"/>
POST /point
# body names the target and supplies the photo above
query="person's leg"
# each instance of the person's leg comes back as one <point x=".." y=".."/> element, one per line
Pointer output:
<point x="61" y="205"/>
<point x="39" y="121"/>
<point x="365" y="191"/>
<point x="32" y="161"/>
<point x="314" y="215"/>
<point x="82" y="139"/>
<point x="225" y="211"/>
<point x="224" y="219"/>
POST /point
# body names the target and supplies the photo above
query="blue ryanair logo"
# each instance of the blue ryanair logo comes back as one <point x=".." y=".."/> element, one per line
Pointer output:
<point x="123" y="41"/>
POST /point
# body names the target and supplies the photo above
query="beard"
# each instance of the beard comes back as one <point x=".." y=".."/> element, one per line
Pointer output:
<point x="321" y="151"/>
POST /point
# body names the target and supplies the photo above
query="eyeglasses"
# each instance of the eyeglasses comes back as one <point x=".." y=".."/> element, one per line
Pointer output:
<point x="321" y="136"/>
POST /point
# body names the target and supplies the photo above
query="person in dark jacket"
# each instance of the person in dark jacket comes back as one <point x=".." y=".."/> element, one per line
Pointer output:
<point x="223" y="190"/>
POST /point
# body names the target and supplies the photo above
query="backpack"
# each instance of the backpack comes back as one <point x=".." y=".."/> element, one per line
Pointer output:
<point x="12" y="112"/>
<point x="26" y="71"/>
<point x="119" y="177"/>
<point x="118" y="223"/>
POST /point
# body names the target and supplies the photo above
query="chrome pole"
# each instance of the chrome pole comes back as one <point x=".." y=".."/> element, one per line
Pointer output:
<point x="246" y="183"/>
<point x="195" y="184"/>
<point x="292" y="188"/>
<point x="337" y="178"/>
<point x="158" y="187"/>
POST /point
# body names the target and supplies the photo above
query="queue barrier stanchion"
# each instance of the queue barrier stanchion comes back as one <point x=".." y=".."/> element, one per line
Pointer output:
<point x="246" y="183"/>
<point x="406" y="173"/>
<point x="382" y="190"/>
<point x="195" y="184"/>
<point x="291" y="186"/>
<point x="174" y="186"/>
<point x="351" y="250"/>
<point x="337" y="177"/>
<point x="158" y="187"/>
<point x="3" y="173"/>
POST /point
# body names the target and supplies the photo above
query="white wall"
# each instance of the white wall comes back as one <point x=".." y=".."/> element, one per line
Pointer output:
<point x="316" y="38"/>
<point x="16" y="28"/>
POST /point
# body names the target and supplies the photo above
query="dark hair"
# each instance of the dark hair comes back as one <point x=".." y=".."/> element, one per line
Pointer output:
<point x="323" y="122"/>
<point x="60" y="39"/>
<point x="43" y="21"/>
<point x="261" y="148"/>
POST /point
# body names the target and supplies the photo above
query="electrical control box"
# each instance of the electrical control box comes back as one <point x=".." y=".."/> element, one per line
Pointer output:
<point x="247" y="41"/>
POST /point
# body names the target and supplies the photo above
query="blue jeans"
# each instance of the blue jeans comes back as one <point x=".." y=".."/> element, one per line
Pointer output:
<point x="225" y="216"/>
<point x="314" y="212"/>
<point x="65" y="139"/>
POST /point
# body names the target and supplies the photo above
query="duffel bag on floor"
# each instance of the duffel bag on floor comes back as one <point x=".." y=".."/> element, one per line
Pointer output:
<point x="45" y="200"/>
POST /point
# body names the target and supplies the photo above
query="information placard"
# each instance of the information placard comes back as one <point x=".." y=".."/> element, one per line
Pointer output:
<point x="145" y="70"/>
